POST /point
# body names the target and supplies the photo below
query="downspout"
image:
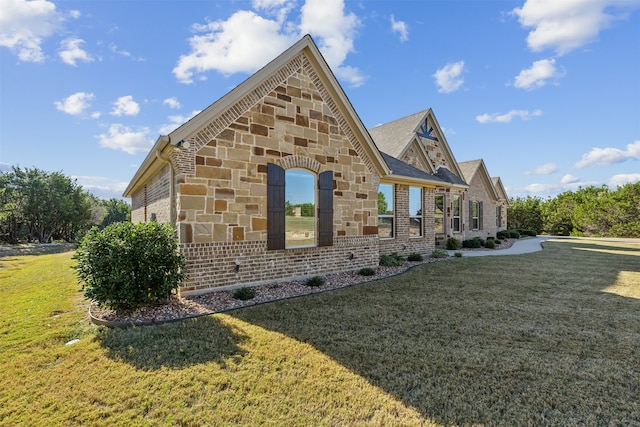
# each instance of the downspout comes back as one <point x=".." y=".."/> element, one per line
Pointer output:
<point x="172" y="197"/>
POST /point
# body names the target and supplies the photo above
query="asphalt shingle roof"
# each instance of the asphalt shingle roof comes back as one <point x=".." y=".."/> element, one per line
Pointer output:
<point x="393" y="137"/>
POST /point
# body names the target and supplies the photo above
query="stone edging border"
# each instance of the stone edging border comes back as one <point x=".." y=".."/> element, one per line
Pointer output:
<point x="116" y="324"/>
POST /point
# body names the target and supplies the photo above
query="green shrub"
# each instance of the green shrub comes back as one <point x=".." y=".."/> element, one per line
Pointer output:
<point x="439" y="253"/>
<point x="393" y="260"/>
<point x="125" y="266"/>
<point x="490" y="244"/>
<point x="504" y="234"/>
<point x="245" y="293"/>
<point x="514" y="234"/>
<point x="315" y="281"/>
<point x="414" y="257"/>
<point x="527" y="232"/>
<point x="367" y="271"/>
<point x="474" y="243"/>
<point x="458" y="254"/>
<point x="497" y="241"/>
<point x="453" y="244"/>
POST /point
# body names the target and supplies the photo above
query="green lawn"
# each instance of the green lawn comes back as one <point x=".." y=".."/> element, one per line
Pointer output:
<point x="550" y="338"/>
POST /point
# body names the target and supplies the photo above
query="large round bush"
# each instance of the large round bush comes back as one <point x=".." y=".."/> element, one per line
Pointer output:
<point x="125" y="265"/>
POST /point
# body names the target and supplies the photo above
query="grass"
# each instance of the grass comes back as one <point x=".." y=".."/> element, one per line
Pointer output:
<point x="550" y="338"/>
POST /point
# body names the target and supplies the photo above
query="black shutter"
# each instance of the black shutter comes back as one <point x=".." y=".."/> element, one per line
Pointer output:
<point x="325" y="209"/>
<point x="275" y="207"/>
<point x="480" y="216"/>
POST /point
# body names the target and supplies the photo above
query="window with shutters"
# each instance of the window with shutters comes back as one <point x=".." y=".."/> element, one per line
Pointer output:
<point x="475" y="215"/>
<point x="299" y="208"/>
<point x="455" y="217"/>
<point x="415" y="212"/>
<point x="438" y="214"/>
<point x="386" y="218"/>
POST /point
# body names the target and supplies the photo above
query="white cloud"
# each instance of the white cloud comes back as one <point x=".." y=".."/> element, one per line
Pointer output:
<point x="75" y="104"/>
<point x="113" y="48"/>
<point x="565" y="25"/>
<point x="243" y="43"/>
<point x="546" y="169"/>
<point x="175" y="122"/>
<point x="120" y="137"/>
<point x="336" y="31"/>
<point x="172" y="102"/>
<point x="401" y="28"/>
<point x="75" y="14"/>
<point x="247" y="40"/>
<point x="569" y="179"/>
<point x="70" y="52"/>
<point x="448" y="78"/>
<point x="623" y="179"/>
<point x="101" y="186"/>
<point x="538" y="75"/>
<point x="507" y="117"/>
<point x="25" y="24"/>
<point x="125" y="106"/>
<point x="608" y="156"/>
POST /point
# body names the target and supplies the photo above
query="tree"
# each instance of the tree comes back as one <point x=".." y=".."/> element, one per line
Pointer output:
<point x="525" y="213"/>
<point x="45" y="205"/>
<point x="115" y="211"/>
<point x="557" y="214"/>
<point x="382" y="203"/>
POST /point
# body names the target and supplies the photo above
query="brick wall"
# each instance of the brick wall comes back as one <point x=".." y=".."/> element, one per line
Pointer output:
<point x="153" y="199"/>
<point x="213" y="265"/>
<point x="478" y="192"/>
<point x="402" y="243"/>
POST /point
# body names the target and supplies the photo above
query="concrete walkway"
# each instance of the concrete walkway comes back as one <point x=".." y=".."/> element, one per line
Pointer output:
<point x="519" y="247"/>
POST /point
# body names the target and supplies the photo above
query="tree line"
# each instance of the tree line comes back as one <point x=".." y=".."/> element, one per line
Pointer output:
<point x="590" y="211"/>
<point x="41" y="206"/>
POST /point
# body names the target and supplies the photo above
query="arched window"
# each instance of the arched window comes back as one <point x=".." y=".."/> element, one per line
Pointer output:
<point x="300" y="208"/>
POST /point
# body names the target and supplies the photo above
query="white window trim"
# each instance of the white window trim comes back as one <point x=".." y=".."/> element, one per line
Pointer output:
<point x="315" y="211"/>
<point x="393" y="217"/>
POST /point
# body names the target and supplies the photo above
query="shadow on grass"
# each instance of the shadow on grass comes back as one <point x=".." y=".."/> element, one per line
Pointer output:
<point x="174" y="345"/>
<point x="522" y="340"/>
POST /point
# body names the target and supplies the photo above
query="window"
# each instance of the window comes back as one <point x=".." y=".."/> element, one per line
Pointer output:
<point x="455" y="224"/>
<point x="438" y="214"/>
<point x="385" y="211"/>
<point x="292" y="218"/>
<point x="498" y="216"/>
<point x="300" y="208"/>
<point x="475" y="215"/>
<point x="415" y="212"/>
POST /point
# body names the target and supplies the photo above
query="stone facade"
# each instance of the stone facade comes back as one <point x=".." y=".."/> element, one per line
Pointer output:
<point x="211" y="178"/>
<point x="478" y="192"/>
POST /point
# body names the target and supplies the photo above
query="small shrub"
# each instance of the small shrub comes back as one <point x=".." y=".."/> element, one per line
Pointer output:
<point x="393" y="260"/>
<point x="497" y="241"/>
<point x="125" y="266"/>
<point x="244" y="293"/>
<point x="503" y="234"/>
<point x="474" y="243"/>
<point x="527" y="232"/>
<point x="315" y="281"/>
<point x="439" y="253"/>
<point x="453" y="244"/>
<point x="490" y="244"/>
<point x="458" y="254"/>
<point x="367" y="271"/>
<point x="414" y="257"/>
<point x="514" y="234"/>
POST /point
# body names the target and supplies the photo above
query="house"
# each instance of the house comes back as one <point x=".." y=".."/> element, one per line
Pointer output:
<point x="484" y="207"/>
<point x="279" y="179"/>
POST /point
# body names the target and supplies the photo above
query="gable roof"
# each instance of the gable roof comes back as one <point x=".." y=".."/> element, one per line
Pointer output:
<point x="473" y="168"/>
<point x="395" y="137"/>
<point x="403" y="171"/>
<point x="163" y="146"/>
<point x="502" y="193"/>
<point x="446" y="175"/>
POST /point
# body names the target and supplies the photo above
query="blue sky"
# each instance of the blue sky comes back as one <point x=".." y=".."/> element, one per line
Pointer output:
<point x="547" y="92"/>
